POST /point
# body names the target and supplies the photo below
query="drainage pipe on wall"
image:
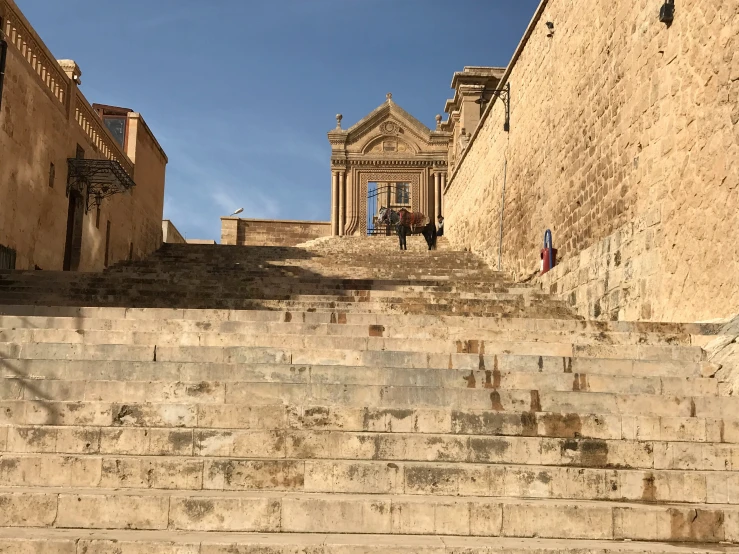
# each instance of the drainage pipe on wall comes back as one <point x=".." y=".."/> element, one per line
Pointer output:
<point x="3" y="58"/>
<point x="502" y="207"/>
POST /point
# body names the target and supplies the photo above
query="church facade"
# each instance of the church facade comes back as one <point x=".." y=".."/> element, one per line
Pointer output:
<point x="387" y="159"/>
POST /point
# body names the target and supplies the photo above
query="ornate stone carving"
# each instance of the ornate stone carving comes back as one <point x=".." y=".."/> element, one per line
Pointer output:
<point x="390" y="128"/>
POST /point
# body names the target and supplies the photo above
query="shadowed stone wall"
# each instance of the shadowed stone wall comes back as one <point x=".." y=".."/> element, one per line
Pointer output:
<point x="44" y="120"/>
<point x="622" y="134"/>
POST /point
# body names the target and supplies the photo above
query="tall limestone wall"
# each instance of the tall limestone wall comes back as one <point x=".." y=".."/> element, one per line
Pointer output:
<point x="622" y="134"/>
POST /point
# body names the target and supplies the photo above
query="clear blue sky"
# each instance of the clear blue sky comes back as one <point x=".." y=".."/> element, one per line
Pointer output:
<point x="241" y="93"/>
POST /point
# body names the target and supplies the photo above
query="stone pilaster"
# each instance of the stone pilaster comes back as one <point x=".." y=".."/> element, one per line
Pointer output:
<point x="442" y="186"/>
<point x="342" y="202"/>
<point x="437" y="195"/>
<point x="334" y="203"/>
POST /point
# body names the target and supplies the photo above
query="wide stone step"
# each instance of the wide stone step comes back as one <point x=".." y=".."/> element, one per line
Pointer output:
<point x="265" y="512"/>
<point x="67" y="541"/>
<point x="227" y="299"/>
<point x="309" y="444"/>
<point x="238" y="276"/>
<point x="246" y="272"/>
<point x="391" y="330"/>
<point x="165" y="383"/>
<point x="277" y="288"/>
<point x="536" y="391"/>
<point x="211" y="316"/>
<point x="452" y="300"/>
<point x="311" y="349"/>
<point x="268" y="432"/>
<point x="196" y="300"/>
<point x="395" y="397"/>
<point x="405" y="270"/>
<point x="673" y="371"/>
<point x="368" y="477"/>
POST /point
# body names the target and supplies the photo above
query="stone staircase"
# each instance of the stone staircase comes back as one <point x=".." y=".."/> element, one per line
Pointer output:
<point x="347" y="398"/>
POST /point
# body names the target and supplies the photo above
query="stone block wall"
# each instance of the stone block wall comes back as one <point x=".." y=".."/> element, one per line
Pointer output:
<point x="271" y="232"/>
<point x="622" y="133"/>
<point x="612" y="278"/>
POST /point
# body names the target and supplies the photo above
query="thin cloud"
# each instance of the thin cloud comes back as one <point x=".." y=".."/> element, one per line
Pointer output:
<point x="166" y="19"/>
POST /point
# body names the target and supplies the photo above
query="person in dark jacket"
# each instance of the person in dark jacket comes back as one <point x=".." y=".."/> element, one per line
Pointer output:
<point x="440" y="227"/>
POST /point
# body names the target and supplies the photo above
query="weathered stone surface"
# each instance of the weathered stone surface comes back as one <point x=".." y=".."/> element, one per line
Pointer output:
<point x="359" y="429"/>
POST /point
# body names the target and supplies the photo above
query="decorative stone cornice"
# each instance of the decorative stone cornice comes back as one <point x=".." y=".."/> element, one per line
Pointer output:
<point x="384" y="162"/>
<point x="473" y="81"/>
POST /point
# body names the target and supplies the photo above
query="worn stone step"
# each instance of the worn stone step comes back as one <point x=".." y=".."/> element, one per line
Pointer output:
<point x="257" y="285"/>
<point x="671" y="373"/>
<point x="210" y="316"/>
<point x="460" y="340"/>
<point x="391" y="329"/>
<point x="31" y="436"/>
<point x="169" y="380"/>
<point x="196" y="300"/>
<point x="65" y="368"/>
<point x="368" y="477"/>
<point x="246" y="511"/>
<point x="574" y="394"/>
<point x="69" y="541"/>
<point x="232" y="271"/>
<point x="307" y="294"/>
<point x="251" y="432"/>
<point x="37" y="329"/>
<point x="234" y="275"/>
<point x="312" y="349"/>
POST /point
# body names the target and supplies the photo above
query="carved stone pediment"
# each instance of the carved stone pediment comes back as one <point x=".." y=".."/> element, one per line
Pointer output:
<point x="383" y="124"/>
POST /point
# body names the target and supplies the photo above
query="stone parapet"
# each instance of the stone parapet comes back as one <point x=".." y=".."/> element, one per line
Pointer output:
<point x="170" y="234"/>
<point x="271" y="232"/>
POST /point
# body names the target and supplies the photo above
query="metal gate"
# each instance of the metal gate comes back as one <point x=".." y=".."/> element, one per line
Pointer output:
<point x="391" y="195"/>
<point x="7" y="257"/>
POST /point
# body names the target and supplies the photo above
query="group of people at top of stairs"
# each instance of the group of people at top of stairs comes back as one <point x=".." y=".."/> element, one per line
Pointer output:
<point x="410" y="223"/>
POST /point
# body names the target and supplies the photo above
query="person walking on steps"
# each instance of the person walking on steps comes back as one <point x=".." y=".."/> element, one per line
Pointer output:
<point x="440" y="227"/>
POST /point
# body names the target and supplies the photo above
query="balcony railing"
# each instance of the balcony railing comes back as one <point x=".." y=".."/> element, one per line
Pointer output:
<point x="19" y="34"/>
<point x="34" y="52"/>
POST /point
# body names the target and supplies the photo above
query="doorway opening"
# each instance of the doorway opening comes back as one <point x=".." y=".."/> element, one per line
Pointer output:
<point x="73" y="242"/>
<point x="385" y="195"/>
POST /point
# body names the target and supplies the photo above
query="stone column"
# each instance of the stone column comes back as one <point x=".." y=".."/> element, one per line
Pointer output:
<point x="334" y="203"/>
<point x="342" y="202"/>
<point x="437" y="197"/>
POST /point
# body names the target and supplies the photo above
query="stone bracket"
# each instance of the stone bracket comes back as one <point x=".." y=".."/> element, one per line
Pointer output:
<point x="505" y="95"/>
